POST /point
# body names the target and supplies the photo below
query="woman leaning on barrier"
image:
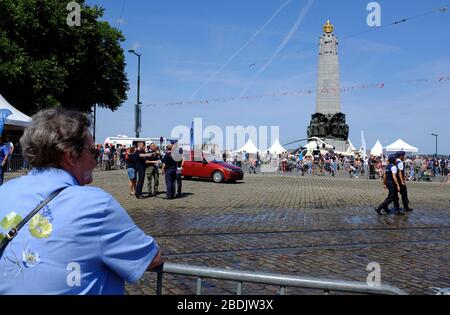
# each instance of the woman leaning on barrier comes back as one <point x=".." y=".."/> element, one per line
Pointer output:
<point x="80" y="242"/>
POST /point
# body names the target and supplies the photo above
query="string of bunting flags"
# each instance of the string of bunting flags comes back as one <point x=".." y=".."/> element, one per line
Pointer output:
<point x="347" y="89"/>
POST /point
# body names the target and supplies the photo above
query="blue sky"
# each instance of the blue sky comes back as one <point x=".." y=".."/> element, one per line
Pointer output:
<point x="183" y="42"/>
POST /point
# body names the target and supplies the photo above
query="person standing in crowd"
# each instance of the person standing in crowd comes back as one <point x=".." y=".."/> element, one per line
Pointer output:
<point x="443" y="167"/>
<point x="113" y="157"/>
<point x="169" y="170"/>
<point x="153" y="170"/>
<point x="4" y="152"/>
<point x="252" y="165"/>
<point x="106" y="158"/>
<point x="119" y="156"/>
<point x="97" y="155"/>
<point x="372" y="165"/>
<point x="83" y="228"/>
<point x="140" y="157"/>
<point x="179" y="173"/>
<point x="310" y="166"/>
<point x="100" y="162"/>
<point x="418" y="165"/>
<point x="393" y="186"/>
<point x="10" y="147"/>
<point x="402" y="180"/>
<point x="358" y="167"/>
<point x="366" y="167"/>
<point x="131" y="162"/>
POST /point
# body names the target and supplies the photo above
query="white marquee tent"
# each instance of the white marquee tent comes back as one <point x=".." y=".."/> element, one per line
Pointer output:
<point x="377" y="149"/>
<point x="249" y="147"/>
<point x="17" y="118"/>
<point x="401" y="145"/>
<point x="351" y="147"/>
<point x="277" y="148"/>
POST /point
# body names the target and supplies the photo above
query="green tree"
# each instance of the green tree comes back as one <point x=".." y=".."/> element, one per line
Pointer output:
<point x="45" y="62"/>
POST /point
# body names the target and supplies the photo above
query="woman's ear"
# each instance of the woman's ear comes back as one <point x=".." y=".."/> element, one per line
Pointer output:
<point x="68" y="159"/>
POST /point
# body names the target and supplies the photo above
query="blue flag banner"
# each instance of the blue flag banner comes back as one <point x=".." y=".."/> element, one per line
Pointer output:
<point x="4" y="114"/>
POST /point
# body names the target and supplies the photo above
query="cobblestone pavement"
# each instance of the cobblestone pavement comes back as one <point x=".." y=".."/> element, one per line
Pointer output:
<point x="305" y="226"/>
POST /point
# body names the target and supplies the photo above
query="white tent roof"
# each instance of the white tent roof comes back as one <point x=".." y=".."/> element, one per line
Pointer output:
<point x="351" y="147"/>
<point x="401" y="145"/>
<point x="17" y="118"/>
<point x="277" y="148"/>
<point x="249" y="147"/>
<point x="377" y="149"/>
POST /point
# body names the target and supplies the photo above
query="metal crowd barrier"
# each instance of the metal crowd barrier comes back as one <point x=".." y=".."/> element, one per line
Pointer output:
<point x="281" y="280"/>
<point x="16" y="163"/>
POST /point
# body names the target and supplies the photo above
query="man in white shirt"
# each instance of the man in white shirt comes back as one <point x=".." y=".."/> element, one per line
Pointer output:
<point x="393" y="186"/>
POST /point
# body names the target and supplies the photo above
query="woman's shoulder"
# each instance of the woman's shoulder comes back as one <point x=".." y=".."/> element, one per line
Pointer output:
<point x="89" y="193"/>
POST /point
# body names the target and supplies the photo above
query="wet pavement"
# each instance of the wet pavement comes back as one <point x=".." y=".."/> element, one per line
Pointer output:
<point x="314" y="227"/>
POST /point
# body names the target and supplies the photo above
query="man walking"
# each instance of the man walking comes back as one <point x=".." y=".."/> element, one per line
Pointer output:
<point x="152" y="170"/>
<point x="402" y="180"/>
<point x="391" y="184"/>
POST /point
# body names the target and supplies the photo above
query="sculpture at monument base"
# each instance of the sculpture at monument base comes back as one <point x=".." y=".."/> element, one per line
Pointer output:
<point x="332" y="126"/>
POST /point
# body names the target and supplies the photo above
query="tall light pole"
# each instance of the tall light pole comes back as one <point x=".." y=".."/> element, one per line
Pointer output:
<point x="435" y="135"/>
<point x="137" y="121"/>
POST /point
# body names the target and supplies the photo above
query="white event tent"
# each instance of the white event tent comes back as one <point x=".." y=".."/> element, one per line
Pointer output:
<point x="17" y="118"/>
<point x="277" y="148"/>
<point x="249" y="147"/>
<point x="377" y="149"/>
<point x="401" y="145"/>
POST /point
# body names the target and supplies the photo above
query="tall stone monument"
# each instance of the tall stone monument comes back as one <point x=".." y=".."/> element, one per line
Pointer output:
<point x="328" y="123"/>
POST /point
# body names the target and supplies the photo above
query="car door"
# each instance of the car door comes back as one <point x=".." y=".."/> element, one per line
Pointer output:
<point x="188" y="168"/>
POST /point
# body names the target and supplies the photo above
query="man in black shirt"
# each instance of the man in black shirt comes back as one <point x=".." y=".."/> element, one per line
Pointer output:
<point x="140" y="163"/>
<point x="152" y="170"/>
<point x="169" y="170"/>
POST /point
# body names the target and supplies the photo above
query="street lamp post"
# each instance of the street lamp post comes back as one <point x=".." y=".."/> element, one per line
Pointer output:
<point x="137" y="122"/>
<point x="435" y="135"/>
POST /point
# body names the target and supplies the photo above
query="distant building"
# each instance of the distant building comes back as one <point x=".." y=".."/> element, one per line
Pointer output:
<point x="128" y="142"/>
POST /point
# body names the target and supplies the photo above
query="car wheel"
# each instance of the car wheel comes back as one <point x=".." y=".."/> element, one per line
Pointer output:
<point x="217" y="177"/>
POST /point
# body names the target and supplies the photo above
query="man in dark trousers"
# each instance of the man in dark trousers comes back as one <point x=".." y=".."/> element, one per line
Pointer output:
<point x="169" y="170"/>
<point x="391" y="183"/>
<point x="402" y="180"/>
<point x="140" y="157"/>
<point x="179" y="172"/>
<point x="153" y="170"/>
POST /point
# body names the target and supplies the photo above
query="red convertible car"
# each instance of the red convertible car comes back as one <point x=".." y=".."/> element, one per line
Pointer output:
<point x="218" y="171"/>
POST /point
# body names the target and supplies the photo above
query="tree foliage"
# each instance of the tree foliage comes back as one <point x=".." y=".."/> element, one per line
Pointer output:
<point x="44" y="62"/>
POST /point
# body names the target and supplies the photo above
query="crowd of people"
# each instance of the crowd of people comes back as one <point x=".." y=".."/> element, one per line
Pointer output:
<point x="371" y="167"/>
<point x="147" y="162"/>
<point x="110" y="156"/>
